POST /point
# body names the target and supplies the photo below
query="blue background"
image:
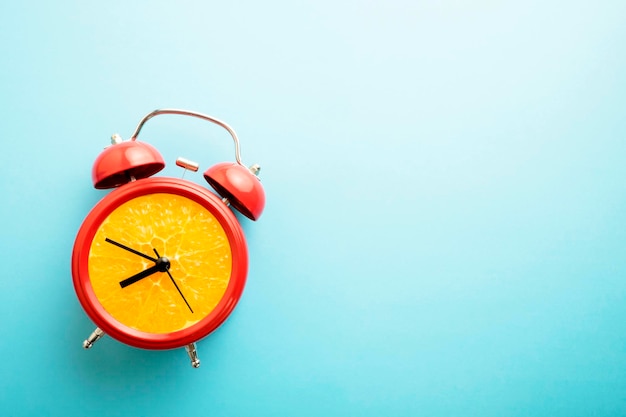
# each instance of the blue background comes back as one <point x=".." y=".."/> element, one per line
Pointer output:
<point x="444" y="230"/>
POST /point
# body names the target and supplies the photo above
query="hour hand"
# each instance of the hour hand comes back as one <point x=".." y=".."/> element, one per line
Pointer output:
<point x="161" y="265"/>
<point x="131" y="250"/>
<point x="143" y="274"/>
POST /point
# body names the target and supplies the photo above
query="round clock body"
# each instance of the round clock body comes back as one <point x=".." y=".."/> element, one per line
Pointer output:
<point x="159" y="263"/>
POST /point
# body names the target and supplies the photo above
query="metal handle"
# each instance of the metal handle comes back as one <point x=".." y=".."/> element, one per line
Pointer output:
<point x="193" y="114"/>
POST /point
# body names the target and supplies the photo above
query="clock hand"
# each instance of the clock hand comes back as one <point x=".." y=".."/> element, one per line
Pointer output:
<point x="130" y="249"/>
<point x="174" y="282"/>
<point x="161" y="265"/>
<point x="181" y="294"/>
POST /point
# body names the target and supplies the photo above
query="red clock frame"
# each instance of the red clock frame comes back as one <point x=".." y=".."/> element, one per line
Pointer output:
<point x="133" y="337"/>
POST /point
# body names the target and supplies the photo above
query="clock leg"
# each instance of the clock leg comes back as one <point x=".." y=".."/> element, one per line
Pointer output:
<point x="93" y="337"/>
<point x="193" y="355"/>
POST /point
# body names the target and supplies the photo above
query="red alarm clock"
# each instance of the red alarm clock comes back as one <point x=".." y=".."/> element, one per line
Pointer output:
<point x="159" y="263"/>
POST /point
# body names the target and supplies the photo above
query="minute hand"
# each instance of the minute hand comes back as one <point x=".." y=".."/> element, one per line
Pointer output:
<point x="119" y="245"/>
<point x="143" y="274"/>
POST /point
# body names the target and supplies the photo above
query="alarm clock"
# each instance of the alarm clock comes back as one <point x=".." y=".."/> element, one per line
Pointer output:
<point x="161" y="262"/>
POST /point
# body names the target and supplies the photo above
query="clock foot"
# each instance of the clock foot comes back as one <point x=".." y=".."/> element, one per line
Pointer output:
<point x="93" y="337"/>
<point x="193" y="355"/>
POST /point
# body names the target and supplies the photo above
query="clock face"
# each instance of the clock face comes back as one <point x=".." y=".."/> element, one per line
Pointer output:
<point x="159" y="263"/>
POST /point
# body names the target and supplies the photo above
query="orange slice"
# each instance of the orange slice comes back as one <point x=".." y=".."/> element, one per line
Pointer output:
<point x="178" y="228"/>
